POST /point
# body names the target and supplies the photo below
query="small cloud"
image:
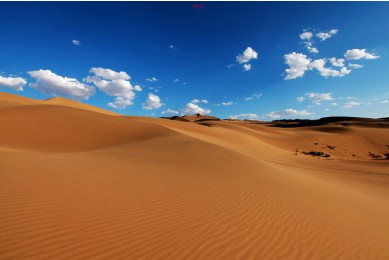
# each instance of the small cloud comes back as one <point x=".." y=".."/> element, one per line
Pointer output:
<point x="204" y="101"/>
<point x="385" y="101"/>
<point x="248" y="116"/>
<point x="326" y="109"/>
<point x="247" y="67"/>
<point x="15" y="83"/>
<point x="152" y="102"/>
<point x="306" y="36"/>
<point x="288" y="113"/>
<point x="153" y="79"/>
<point x="334" y="104"/>
<point x="357" y="54"/>
<point x="298" y="63"/>
<point x="192" y="108"/>
<point x="195" y="101"/>
<point x="76" y="42"/>
<point x="351" y="104"/>
<point x="176" y="80"/>
<point x="316" y="98"/>
<point x="355" y="66"/>
<point x="228" y="103"/>
<point x="337" y="62"/>
<point x="52" y="84"/>
<point x="328" y="72"/>
<point x="230" y="65"/>
<point x="253" y="96"/>
<point x="326" y="35"/>
<point x="247" y="55"/>
<point x="120" y="103"/>
<point x="170" y="112"/>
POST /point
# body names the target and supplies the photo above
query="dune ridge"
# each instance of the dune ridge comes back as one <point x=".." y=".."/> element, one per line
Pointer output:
<point x="77" y="184"/>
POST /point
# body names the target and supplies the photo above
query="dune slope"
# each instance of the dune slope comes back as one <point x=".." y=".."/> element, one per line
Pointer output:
<point x="76" y="184"/>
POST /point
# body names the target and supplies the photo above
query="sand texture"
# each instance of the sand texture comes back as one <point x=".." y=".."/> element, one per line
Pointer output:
<point x="78" y="182"/>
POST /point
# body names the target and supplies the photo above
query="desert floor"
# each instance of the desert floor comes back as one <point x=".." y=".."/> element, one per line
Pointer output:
<point x="77" y="182"/>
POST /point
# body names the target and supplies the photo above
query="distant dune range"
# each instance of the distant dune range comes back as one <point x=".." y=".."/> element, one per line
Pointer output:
<point x="79" y="182"/>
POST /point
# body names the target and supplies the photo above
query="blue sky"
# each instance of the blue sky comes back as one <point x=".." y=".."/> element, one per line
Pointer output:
<point x="255" y="60"/>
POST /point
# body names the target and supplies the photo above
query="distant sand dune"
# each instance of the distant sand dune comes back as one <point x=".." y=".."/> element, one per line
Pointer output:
<point x="76" y="184"/>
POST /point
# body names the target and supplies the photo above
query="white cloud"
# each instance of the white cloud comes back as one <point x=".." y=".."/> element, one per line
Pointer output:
<point x="253" y="96"/>
<point x="334" y="104"/>
<point x="55" y="85"/>
<point x="326" y="35"/>
<point x="176" y="80"/>
<point x="298" y="63"/>
<point x="14" y="83"/>
<point x="306" y="36"/>
<point x="249" y="116"/>
<point x="300" y="99"/>
<point x="153" y="79"/>
<point x="192" y="108"/>
<point x="385" y="101"/>
<point x="230" y="65"/>
<point x="76" y="42"/>
<point x="195" y="101"/>
<point x="170" y="112"/>
<point x="357" y="54"/>
<point x="247" y="67"/>
<point x="113" y="83"/>
<point x="317" y="98"/>
<point x="351" y="104"/>
<point x="228" y="103"/>
<point x="288" y="113"/>
<point x="109" y="74"/>
<point x="247" y="55"/>
<point x="312" y="49"/>
<point x="120" y="103"/>
<point x="328" y="72"/>
<point x="337" y="62"/>
<point x="355" y="66"/>
<point x="152" y="102"/>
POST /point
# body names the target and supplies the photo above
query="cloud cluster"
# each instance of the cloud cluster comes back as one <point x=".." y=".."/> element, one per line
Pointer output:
<point x="298" y="63"/>
<point x="245" y="57"/>
<point x="170" y="112"/>
<point x="192" y="108"/>
<point x="307" y="38"/>
<point x="288" y="113"/>
<point x="228" y="103"/>
<point x="357" y="54"/>
<point x="115" y="84"/>
<point x="52" y="84"/>
<point x="15" y="83"/>
<point x="326" y="35"/>
<point x="195" y="101"/>
<point x="152" y="79"/>
<point x="253" y="96"/>
<point x="316" y="98"/>
<point x="152" y="102"/>
<point x="248" y="116"/>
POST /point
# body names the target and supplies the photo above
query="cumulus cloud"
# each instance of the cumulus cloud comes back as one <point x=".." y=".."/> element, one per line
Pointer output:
<point x="192" y="108"/>
<point x="120" y="103"/>
<point x="247" y="55"/>
<point x="247" y="67"/>
<point x="76" y="42"/>
<point x="248" y="116"/>
<point x="153" y="79"/>
<point x="170" y="112"/>
<point x="113" y="83"/>
<point x="328" y="72"/>
<point x="298" y="64"/>
<point x="355" y="66"/>
<point x="357" y="54"/>
<point x="337" y="62"/>
<point x="306" y="36"/>
<point x="326" y="35"/>
<point x="152" y="102"/>
<point x="351" y="104"/>
<point x="288" y="113"/>
<point x="15" y="83"/>
<point x="55" y="85"/>
<point x="312" y="49"/>
<point x="316" y="98"/>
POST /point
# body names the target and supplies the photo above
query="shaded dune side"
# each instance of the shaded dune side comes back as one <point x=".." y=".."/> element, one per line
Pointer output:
<point x="65" y="129"/>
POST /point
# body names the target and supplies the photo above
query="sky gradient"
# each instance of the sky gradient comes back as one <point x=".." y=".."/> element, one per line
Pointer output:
<point x="251" y="60"/>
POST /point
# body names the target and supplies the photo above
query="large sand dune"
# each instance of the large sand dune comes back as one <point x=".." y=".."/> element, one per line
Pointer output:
<point x="76" y="183"/>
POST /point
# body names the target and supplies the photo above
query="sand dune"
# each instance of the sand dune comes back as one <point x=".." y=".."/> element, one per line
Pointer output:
<point x="76" y="184"/>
